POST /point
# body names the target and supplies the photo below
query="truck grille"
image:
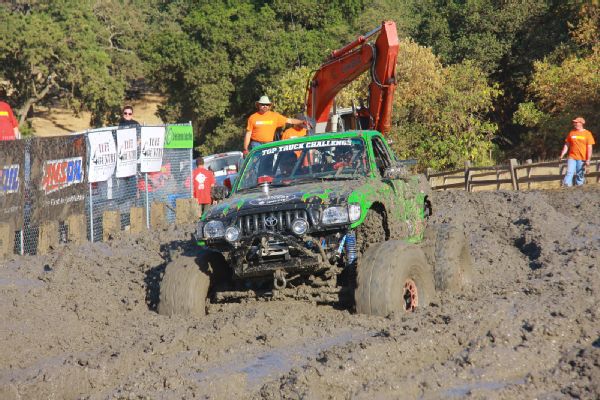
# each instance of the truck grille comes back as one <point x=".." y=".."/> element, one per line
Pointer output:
<point x="277" y="221"/>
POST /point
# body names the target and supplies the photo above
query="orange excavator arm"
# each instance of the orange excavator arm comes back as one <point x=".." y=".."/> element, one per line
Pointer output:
<point x="346" y="64"/>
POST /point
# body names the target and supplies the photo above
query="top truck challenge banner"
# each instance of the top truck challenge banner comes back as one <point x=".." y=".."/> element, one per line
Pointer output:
<point x="127" y="153"/>
<point x="103" y="156"/>
<point x="151" y="148"/>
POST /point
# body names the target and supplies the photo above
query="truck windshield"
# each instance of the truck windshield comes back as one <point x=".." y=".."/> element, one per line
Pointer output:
<point x="289" y="164"/>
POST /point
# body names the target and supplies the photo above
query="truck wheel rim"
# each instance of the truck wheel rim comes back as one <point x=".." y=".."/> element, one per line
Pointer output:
<point x="410" y="295"/>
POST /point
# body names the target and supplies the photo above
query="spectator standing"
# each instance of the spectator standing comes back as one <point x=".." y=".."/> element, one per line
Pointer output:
<point x="9" y="126"/>
<point x="263" y="123"/>
<point x="579" y="145"/>
<point x="127" y="120"/>
<point x="203" y="180"/>
<point x="297" y="130"/>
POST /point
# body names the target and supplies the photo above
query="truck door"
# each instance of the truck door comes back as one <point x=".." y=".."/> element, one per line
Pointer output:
<point x="383" y="160"/>
<point x="398" y="200"/>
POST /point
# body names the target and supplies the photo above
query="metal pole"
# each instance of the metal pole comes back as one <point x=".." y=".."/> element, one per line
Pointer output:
<point x="22" y="240"/>
<point x="91" y="215"/>
<point x="191" y="173"/>
<point x="192" y="166"/>
<point x="147" y="205"/>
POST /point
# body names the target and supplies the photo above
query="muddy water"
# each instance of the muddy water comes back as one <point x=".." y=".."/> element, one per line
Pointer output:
<point x="80" y="323"/>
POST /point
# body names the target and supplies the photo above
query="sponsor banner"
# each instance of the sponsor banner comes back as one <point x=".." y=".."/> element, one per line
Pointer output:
<point x="58" y="188"/>
<point x="62" y="173"/>
<point x="12" y="155"/>
<point x="126" y="152"/>
<point x="151" y="148"/>
<point x="102" y="154"/>
<point x="179" y="137"/>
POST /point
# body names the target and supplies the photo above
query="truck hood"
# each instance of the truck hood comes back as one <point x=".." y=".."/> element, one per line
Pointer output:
<point x="327" y="193"/>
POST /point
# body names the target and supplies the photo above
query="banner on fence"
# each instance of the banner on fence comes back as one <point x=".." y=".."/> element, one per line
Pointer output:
<point x="12" y="154"/>
<point x="179" y="137"/>
<point x="152" y="144"/>
<point x="127" y="152"/>
<point x="58" y="189"/>
<point x="103" y="156"/>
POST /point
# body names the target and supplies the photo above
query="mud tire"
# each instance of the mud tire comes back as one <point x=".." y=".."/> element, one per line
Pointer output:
<point x="184" y="287"/>
<point x="384" y="274"/>
<point x="453" y="269"/>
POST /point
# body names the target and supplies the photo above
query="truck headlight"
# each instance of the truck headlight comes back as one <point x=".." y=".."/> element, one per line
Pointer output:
<point x="354" y="212"/>
<point x="299" y="226"/>
<point x="335" y="215"/>
<point x="214" y="229"/>
<point x="232" y="234"/>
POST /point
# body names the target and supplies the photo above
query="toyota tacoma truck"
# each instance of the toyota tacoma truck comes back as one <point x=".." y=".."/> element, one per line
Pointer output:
<point x="326" y="218"/>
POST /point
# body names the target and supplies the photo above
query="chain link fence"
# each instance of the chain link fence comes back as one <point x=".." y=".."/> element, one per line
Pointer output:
<point x="116" y="194"/>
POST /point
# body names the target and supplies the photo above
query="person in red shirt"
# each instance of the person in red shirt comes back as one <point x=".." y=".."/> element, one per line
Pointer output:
<point x="579" y="145"/>
<point x="9" y="126"/>
<point x="262" y="124"/>
<point x="203" y="180"/>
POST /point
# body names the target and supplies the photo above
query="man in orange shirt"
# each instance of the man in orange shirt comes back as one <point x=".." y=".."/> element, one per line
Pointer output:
<point x="298" y="130"/>
<point x="263" y="123"/>
<point x="579" y="144"/>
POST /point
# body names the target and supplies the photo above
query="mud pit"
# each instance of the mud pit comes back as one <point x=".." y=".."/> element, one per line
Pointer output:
<point x="81" y="322"/>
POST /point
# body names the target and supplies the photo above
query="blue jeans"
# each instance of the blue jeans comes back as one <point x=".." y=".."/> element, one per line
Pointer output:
<point x="254" y="143"/>
<point x="574" y="167"/>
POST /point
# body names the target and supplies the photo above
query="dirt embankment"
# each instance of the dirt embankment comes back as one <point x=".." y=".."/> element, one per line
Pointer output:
<point x="81" y="323"/>
<point x="57" y="121"/>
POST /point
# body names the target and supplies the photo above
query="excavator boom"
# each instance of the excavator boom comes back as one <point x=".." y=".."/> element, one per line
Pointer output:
<point x="346" y="64"/>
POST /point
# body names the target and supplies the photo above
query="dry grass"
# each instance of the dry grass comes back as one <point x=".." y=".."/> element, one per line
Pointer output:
<point x="59" y="121"/>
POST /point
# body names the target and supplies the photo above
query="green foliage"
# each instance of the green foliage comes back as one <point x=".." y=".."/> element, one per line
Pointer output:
<point x="228" y="136"/>
<point x="77" y="52"/>
<point x="212" y="59"/>
<point x="564" y="85"/>
<point x="529" y="115"/>
<point x="218" y="57"/>
<point x="288" y="92"/>
<point x="503" y="39"/>
<point x="403" y="13"/>
<point x="440" y="114"/>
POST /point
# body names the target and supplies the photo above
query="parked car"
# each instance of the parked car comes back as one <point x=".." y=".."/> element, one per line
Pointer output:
<point x="224" y="165"/>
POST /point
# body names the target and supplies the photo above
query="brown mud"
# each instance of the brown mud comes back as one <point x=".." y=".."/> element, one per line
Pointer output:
<point x="81" y="322"/>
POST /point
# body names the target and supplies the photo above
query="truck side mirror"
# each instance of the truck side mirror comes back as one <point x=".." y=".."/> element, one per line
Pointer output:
<point x="397" y="171"/>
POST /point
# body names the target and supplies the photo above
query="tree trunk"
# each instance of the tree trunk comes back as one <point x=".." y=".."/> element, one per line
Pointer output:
<point x="24" y="109"/>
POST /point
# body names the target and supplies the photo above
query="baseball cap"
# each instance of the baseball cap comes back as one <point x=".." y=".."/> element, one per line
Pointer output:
<point x="579" y="119"/>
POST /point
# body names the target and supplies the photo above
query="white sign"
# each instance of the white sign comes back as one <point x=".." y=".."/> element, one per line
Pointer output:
<point x="151" y="148"/>
<point x="127" y="152"/>
<point x="102" y="156"/>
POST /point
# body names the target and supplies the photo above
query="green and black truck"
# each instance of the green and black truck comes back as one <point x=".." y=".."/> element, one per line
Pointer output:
<point x="327" y="218"/>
